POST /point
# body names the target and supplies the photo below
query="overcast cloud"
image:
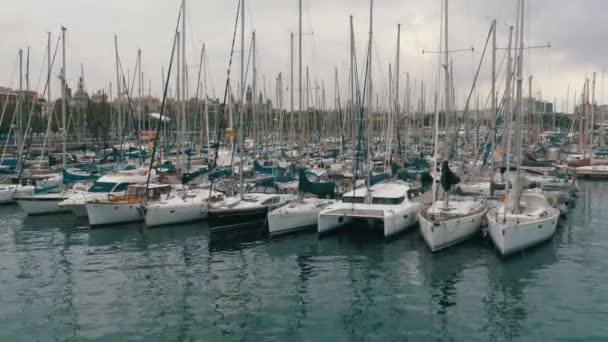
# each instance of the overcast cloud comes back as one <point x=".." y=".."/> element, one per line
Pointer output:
<point x="576" y="30"/>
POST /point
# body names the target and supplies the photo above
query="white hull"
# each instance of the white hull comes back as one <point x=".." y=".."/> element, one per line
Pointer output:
<point x="394" y="220"/>
<point x="445" y="233"/>
<point x="175" y="211"/>
<point x="41" y="205"/>
<point x="297" y="216"/>
<point x="8" y="192"/>
<point x="106" y="214"/>
<point x="521" y="231"/>
<point x="6" y="196"/>
<point x="389" y="205"/>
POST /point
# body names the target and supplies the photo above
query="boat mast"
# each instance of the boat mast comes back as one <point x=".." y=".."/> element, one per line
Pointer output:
<point x="493" y="109"/>
<point x="178" y="97"/>
<point x="436" y="104"/>
<point x="206" y="98"/>
<point x="242" y="98"/>
<point x="509" y="116"/>
<point x="447" y="96"/>
<point x="20" y="134"/>
<point x="370" y="106"/>
<point x="592" y="121"/>
<point x="254" y="90"/>
<point x="353" y="101"/>
<point x="300" y="114"/>
<point x="63" y="96"/>
<point x="184" y="88"/>
<point x="198" y="96"/>
<point x="118" y="89"/>
<point x="337" y="103"/>
<point x="140" y="92"/>
<point x="519" y="105"/>
<point x="395" y="123"/>
<point x="291" y="124"/>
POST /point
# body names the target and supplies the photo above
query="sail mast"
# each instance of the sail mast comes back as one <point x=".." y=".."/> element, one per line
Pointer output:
<point x="291" y="124"/>
<point x="370" y="106"/>
<point x="184" y="87"/>
<point x="447" y="97"/>
<point x="300" y="114"/>
<point x="63" y="96"/>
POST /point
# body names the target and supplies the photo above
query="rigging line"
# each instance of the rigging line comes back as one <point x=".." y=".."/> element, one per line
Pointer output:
<point x="129" y="93"/>
<point x="159" y="124"/>
<point x="466" y="108"/>
<point x="382" y="73"/>
<point x="361" y="102"/>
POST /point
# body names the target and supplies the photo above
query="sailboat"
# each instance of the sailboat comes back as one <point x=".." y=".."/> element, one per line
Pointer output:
<point x="190" y="205"/>
<point x="521" y="219"/>
<point x="302" y="213"/>
<point x="47" y="202"/>
<point x="452" y="219"/>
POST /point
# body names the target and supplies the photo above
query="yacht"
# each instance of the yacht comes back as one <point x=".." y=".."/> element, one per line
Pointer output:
<point x="115" y="184"/>
<point x="119" y="209"/>
<point x="388" y="204"/>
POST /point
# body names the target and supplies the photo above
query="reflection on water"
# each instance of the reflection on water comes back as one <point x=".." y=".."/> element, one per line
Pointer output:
<point x="61" y="280"/>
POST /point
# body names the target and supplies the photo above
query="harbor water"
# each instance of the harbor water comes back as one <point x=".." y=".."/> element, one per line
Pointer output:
<point x="61" y="281"/>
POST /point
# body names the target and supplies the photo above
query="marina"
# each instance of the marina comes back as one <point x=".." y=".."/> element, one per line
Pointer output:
<point x="249" y="199"/>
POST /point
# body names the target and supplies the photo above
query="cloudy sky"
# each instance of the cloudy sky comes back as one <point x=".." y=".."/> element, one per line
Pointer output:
<point x="575" y="29"/>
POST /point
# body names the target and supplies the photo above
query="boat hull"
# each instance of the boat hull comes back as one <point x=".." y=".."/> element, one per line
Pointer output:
<point x="109" y="214"/>
<point x="509" y="239"/>
<point x="41" y="206"/>
<point x="394" y="220"/>
<point x="226" y="220"/>
<point x="8" y="193"/>
<point x="163" y="214"/>
<point x="445" y="233"/>
<point x="286" y="222"/>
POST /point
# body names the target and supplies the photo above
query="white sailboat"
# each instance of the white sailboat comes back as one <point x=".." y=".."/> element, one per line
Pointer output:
<point x="302" y="213"/>
<point x="521" y="219"/>
<point x="452" y="219"/>
<point x="182" y="208"/>
<point x="534" y="221"/>
<point x="8" y="192"/>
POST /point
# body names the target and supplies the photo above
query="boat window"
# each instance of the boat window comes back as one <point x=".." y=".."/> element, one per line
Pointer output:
<point x="387" y="201"/>
<point x="102" y="187"/>
<point x="350" y="199"/>
<point x="121" y="187"/>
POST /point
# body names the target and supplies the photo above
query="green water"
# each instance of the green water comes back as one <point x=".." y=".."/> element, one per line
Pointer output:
<point x="61" y="281"/>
